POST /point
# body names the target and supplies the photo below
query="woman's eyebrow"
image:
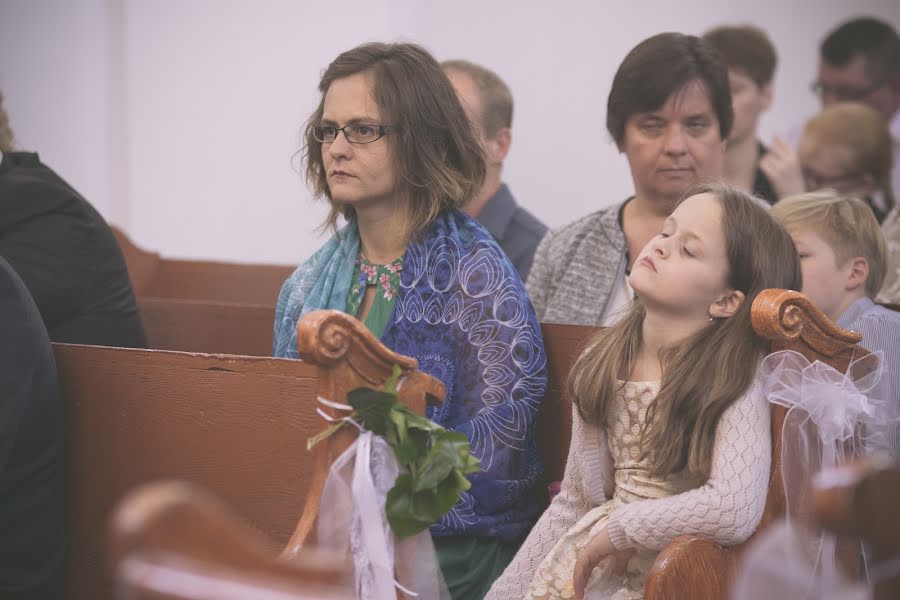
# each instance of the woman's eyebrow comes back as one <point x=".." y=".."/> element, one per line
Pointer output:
<point x="353" y="121"/>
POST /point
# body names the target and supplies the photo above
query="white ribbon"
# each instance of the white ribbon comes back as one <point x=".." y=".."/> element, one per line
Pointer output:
<point x="835" y="402"/>
<point x="362" y="525"/>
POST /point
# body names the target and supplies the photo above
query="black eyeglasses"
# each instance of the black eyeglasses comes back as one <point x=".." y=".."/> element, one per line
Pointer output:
<point x="356" y="133"/>
<point x="842" y="92"/>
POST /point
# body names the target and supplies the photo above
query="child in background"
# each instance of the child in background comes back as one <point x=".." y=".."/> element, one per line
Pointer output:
<point x="670" y="428"/>
<point x="843" y="257"/>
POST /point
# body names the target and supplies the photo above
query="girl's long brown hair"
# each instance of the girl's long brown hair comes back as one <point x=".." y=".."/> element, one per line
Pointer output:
<point x="707" y="372"/>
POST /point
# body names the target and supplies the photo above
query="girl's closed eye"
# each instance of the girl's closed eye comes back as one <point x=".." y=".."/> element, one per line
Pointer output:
<point x="688" y="252"/>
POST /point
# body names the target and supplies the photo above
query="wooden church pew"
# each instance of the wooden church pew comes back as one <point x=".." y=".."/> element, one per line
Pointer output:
<point x="173" y="541"/>
<point x="860" y="500"/>
<point x="209" y="327"/>
<point x="204" y="306"/>
<point x="231" y="385"/>
<point x="235" y="425"/>
<point x="154" y="276"/>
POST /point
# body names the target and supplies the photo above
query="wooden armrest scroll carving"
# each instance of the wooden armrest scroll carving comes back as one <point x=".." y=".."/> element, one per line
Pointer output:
<point x="792" y="322"/>
<point x="168" y="537"/>
<point x="327" y="337"/>
<point x="349" y="357"/>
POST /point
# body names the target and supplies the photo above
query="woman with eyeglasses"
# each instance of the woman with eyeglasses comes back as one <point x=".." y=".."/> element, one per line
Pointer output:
<point x="391" y="150"/>
<point x="669" y="112"/>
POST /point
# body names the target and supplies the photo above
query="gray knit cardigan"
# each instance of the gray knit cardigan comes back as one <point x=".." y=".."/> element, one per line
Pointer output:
<point x="576" y="268"/>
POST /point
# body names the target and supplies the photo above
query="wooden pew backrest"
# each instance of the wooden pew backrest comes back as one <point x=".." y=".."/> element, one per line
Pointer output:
<point x="209" y="327"/>
<point x="563" y="344"/>
<point x="155" y="276"/>
<point x="235" y="425"/>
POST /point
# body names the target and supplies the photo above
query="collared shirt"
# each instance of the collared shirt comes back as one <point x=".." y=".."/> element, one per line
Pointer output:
<point x="880" y="328"/>
<point x="516" y="230"/>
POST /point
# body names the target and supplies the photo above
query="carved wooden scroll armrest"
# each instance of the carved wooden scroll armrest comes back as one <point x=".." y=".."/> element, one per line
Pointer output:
<point x="691" y="567"/>
<point x="332" y="339"/>
<point x="792" y="322"/>
<point x="349" y="357"/>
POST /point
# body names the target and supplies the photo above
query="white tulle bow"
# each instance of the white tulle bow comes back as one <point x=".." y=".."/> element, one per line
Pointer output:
<point x="352" y="520"/>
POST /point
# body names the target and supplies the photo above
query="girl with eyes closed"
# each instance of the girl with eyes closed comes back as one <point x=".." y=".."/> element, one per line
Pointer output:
<point x="669" y="112"/>
<point x="660" y="447"/>
<point x="391" y="149"/>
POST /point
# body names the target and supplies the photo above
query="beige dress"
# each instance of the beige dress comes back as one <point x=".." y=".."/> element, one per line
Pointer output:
<point x="642" y="512"/>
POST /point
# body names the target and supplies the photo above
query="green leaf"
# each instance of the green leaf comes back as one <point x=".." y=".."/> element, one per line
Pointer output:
<point x="449" y="450"/>
<point x="447" y="494"/>
<point x="372" y="408"/>
<point x="409" y="445"/>
<point x="405" y="519"/>
<point x="414" y="421"/>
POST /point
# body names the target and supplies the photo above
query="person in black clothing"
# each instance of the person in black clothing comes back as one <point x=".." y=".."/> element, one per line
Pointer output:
<point x="32" y="451"/>
<point x="65" y="253"/>
<point x="751" y="60"/>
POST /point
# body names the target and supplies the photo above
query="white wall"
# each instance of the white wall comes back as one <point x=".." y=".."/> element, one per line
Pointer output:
<point x="179" y="118"/>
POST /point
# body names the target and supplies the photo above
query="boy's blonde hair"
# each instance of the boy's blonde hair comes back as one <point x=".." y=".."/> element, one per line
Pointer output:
<point x="846" y="224"/>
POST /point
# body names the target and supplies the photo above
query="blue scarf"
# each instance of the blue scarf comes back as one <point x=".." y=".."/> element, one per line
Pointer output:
<point x="463" y="313"/>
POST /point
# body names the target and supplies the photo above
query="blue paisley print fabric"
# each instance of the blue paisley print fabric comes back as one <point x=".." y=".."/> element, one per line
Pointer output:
<point x="463" y="313"/>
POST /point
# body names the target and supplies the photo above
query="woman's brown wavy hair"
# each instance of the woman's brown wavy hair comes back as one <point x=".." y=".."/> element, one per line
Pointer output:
<point x="439" y="162"/>
<point x="707" y="372"/>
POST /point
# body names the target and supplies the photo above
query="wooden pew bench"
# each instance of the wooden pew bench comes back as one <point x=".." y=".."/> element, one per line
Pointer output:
<point x="238" y="427"/>
<point x="204" y="306"/>
<point x="234" y="425"/>
<point x="154" y="276"/>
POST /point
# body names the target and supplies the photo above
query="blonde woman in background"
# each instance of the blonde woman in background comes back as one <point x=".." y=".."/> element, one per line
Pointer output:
<point x="848" y="148"/>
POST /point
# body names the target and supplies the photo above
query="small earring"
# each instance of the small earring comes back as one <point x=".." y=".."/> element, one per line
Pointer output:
<point x="710" y="319"/>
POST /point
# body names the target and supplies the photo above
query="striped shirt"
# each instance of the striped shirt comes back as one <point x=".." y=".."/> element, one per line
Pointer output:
<point x="880" y="328"/>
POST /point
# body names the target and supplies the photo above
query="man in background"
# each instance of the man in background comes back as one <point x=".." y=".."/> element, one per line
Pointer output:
<point x="751" y="60"/>
<point x="489" y="104"/>
<point x="859" y="61"/>
<point x="65" y="253"/>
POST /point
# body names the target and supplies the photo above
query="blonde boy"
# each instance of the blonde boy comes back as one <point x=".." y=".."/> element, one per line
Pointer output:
<point x="843" y="259"/>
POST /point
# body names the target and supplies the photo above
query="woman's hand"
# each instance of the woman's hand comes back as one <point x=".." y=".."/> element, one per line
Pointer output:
<point x="590" y="556"/>
<point x="782" y="167"/>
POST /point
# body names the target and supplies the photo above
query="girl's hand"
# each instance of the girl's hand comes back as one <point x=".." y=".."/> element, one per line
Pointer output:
<point x="590" y="556"/>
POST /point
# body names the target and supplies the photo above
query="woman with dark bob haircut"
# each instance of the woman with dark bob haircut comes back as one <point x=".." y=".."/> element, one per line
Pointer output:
<point x="669" y="112"/>
<point x="392" y="151"/>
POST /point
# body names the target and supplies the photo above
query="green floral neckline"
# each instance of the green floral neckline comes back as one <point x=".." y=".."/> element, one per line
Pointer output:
<point x="385" y="277"/>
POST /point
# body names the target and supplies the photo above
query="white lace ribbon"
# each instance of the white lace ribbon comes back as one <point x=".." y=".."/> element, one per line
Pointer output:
<point x="829" y="414"/>
<point x="358" y="522"/>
